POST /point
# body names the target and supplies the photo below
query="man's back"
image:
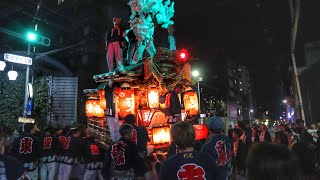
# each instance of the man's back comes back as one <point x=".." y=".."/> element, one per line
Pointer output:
<point x="26" y="150"/>
<point x="219" y="148"/>
<point x="188" y="165"/>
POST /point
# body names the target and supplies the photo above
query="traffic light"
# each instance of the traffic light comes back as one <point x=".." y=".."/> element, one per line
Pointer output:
<point x="38" y="39"/>
<point x="183" y="55"/>
<point x="31" y="36"/>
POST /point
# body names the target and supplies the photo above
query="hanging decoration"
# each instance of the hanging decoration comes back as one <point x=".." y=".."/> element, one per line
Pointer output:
<point x="201" y="131"/>
<point x="161" y="135"/>
<point x="153" y="97"/>
<point x="145" y="116"/>
<point x="125" y="103"/>
<point x="190" y="100"/>
<point x="93" y="109"/>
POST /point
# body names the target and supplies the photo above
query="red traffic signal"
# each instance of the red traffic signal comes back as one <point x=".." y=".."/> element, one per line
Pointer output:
<point x="183" y="55"/>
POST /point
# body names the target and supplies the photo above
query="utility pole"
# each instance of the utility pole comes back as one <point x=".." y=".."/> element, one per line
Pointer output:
<point x="26" y="92"/>
<point x="199" y="95"/>
<point x="28" y="66"/>
<point x="295" y="13"/>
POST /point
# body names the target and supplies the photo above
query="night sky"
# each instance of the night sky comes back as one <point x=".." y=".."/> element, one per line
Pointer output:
<point x="254" y="33"/>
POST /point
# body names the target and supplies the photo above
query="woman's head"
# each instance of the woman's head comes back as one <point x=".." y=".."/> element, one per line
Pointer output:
<point x="271" y="161"/>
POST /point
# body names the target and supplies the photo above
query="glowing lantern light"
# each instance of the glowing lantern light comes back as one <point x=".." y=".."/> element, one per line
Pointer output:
<point x="153" y="97"/>
<point x="103" y="102"/>
<point x="201" y="131"/>
<point x="12" y="75"/>
<point x="190" y="100"/>
<point x="93" y="109"/>
<point x="125" y="100"/>
<point x="161" y="135"/>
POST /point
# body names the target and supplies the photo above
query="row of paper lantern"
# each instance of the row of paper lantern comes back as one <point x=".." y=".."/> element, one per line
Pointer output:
<point x="125" y="102"/>
<point x="162" y="134"/>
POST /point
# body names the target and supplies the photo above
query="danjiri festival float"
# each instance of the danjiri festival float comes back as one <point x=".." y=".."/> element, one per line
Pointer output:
<point x="141" y="86"/>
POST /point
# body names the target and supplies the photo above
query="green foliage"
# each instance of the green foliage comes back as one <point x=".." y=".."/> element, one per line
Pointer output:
<point x="42" y="101"/>
<point x="218" y="107"/>
<point x="12" y="100"/>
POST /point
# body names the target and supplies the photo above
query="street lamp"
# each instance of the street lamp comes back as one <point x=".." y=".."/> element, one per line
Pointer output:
<point x="196" y="74"/>
<point x="2" y="65"/>
<point x="284" y="101"/>
<point x="251" y="115"/>
<point x="12" y="75"/>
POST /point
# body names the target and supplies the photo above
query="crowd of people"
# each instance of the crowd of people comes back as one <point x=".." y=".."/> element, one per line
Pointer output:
<point x="243" y="152"/>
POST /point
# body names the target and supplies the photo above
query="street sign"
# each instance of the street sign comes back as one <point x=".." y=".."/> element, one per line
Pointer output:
<point x="18" y="59"/>
<point x="26" y="120"/>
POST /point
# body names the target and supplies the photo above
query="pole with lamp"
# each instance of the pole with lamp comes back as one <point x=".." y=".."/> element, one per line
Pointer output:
<point x="31" y="37"/>
<point x="196" y="74"/>
<point x="251" y="115"/>
<point x="26" y="92"/>
<point x="295" y="14"/>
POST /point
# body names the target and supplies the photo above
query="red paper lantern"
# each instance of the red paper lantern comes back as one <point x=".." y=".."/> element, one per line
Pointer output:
<point x="153" y="97"/>
<point x="93" y="109"/>
<point x="125" y="100"/>
<point x="191" y="104"/>
<point x="201" y="131"/>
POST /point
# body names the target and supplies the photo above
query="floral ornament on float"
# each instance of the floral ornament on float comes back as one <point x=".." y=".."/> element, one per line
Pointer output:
<point x="141" y="19"/>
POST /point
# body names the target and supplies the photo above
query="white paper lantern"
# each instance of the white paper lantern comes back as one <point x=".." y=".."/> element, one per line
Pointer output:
<point x="2" y="65"/>
<point x="12" y="75"/>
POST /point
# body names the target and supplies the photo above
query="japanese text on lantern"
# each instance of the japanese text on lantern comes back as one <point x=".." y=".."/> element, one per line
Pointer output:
<point x="191" y="104"/>
<point x="93" y="109"/>
<point x="125" y="102"/>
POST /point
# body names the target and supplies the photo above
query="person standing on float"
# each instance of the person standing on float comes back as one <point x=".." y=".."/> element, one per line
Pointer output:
<point x="115" y="41"/>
